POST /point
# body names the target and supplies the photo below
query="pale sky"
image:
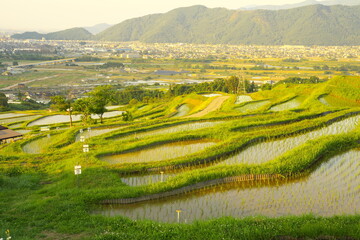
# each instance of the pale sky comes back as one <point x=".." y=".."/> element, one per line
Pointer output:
<point x="53" y="15"/>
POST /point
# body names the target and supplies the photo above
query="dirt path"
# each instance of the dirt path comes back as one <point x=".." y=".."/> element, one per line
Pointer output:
<point x="214" y="105"/>
<point x="28" y="81"/>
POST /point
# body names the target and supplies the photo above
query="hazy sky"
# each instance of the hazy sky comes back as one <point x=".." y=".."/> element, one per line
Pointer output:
<point x="50" y="15"/>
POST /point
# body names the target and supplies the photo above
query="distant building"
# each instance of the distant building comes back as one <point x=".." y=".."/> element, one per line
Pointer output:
<point x="8" y="135"/>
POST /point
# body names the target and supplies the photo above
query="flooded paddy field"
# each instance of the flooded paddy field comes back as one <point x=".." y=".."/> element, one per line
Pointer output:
<point x="261" y="152"/>
<point x="38" y="145"/>
<point x="160" y="152"/>
<point x="88" y="133"/>
<point x="65" y="118"/>
<point x="182" y="110"/>
<point x="173" y="129"/>
<point x="331" y="189"/>
<point x="291" y="104"/>
<point x="18" y="119"/>
<point x="252" y="106"/>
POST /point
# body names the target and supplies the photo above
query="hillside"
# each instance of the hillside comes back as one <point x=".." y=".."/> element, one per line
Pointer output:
<point x="309" y="25"/>
<point x="69" y="34"/>
<point x="302" y="4"/>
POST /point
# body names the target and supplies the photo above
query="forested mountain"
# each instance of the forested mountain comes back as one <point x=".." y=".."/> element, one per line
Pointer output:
<point x="302" y="4"/>
<point x="69" y="34"/>
<point x="315" y="24"/>
<point x="309" y="25"/>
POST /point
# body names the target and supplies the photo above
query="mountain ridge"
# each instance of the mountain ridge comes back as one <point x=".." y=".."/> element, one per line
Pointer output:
<point x="68" y="34"/>
<point x="309" y="25"/>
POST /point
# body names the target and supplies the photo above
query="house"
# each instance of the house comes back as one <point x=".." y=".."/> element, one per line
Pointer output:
<point x="8" y="135"/>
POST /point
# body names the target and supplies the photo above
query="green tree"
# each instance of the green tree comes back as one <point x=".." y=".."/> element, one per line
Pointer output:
<point x="127" y="116"/>
<point x="62" y="104"/>
<point x="99" y="98"/>
<point x="4" y="106"/>
<point x="232" y="84"/>
<point x="85" y="107"/>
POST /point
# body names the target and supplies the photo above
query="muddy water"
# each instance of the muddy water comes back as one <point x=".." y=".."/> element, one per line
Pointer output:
<point x="332" y="189"/>
<point x="160" y="153"/>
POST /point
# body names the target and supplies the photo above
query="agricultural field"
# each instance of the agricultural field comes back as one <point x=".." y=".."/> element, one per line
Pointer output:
<point x="279" y="162"/>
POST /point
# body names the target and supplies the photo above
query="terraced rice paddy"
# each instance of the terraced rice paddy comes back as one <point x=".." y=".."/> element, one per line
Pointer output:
<point x="147" y="179"/>
<point x="160" y="153"/>
<point x="267" y="151"/>
<point x="65" y="118"/>
<point x="263" y="152"/>
<point x="324" y="101"/>
<point x="182" y="110"/>
<point x="38" y="145"/>
<point x="175" y="129"/>
<point x="18" y="119"/>
<point x="94" y="132"/>
<point x="252" y="106"/>
<point x="291" y="104"/>
<point x="212" y="95"/>
<point x="332" y="189"/>
<point x="11" y="115"/>
<point x="243" y="99"/>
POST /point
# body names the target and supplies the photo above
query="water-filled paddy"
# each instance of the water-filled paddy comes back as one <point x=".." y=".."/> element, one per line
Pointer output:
<point x="175" y="129"/>
<point x="160" y="152"/>
<point x="147" y="179"/>
<point x="252" y="106"/>
<point x="38" y="145"/>
<point x="293" y="103"/>
<point x="19" y="119"/>
<point x="264" y="151"/>
<point x="94" y="132"/>
<point x="65" y="118"/>
<point x="243" y="99"/>
<point x="211" y="95"/>
<point x="182" y="110"/>
<point x="324" y="101"/>
<point x="11" y="115"/>
<point x="332" y="189"/>
<point x="23" y="131"/>
<point x="267" y="151"/>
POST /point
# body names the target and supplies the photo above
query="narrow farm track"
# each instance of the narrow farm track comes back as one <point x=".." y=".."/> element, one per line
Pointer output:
<point x="213" y="106"/>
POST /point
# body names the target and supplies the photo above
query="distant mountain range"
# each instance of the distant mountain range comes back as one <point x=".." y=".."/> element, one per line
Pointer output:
<point x="302" y="4"/>
<point x="69" y="34"/>
<point x="97" y="28"/>
<point x="309" y="25"/>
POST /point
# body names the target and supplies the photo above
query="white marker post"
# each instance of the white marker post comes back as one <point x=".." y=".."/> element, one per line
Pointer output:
<point x="85" y="148"/>
<point x="82" y="139"/>
<point x="77" y="171"/>
<point x="89" y="131"/>
<point x="162" y="176"/>
<point x="178" y="215"/>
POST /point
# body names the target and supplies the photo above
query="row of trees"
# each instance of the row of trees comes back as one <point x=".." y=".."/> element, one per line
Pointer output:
<point x="94" y="103"/>
<point x="228" y="85"/>
<point x="96" y="100"/>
